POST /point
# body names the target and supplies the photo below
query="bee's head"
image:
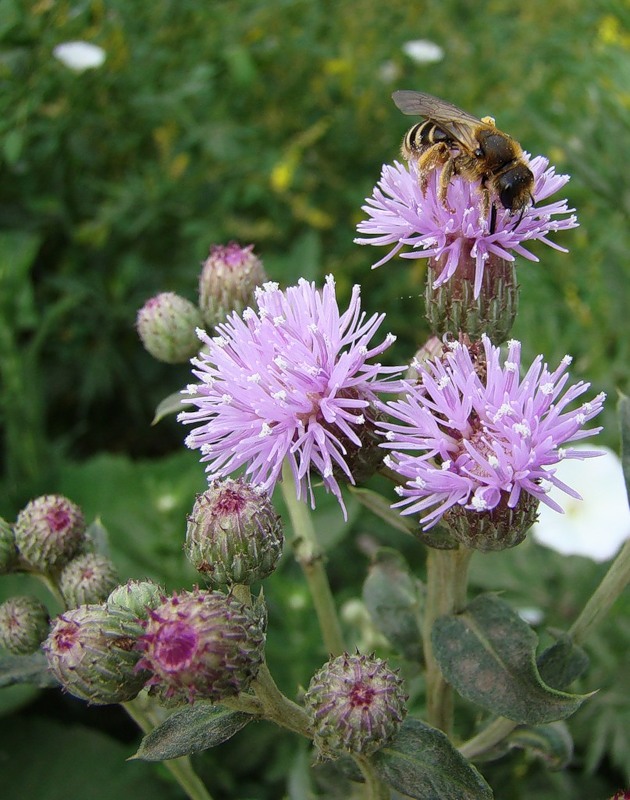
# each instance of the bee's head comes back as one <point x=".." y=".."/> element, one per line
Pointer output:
<point x="514" y="187"/>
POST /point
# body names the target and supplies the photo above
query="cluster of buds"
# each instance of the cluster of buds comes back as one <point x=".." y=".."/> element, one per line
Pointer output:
<point x="192" y="645"/>
<point x="167" y="323"/>
<point x="356" y="705"/>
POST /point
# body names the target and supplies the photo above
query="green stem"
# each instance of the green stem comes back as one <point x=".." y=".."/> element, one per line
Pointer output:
<point x="375" y="789"/>
<point x="180" y="768"/>
<point x="447" y="572"/>
<point x="612" y="585"/>
<point x="278" y="708"/>
<point x="310" y="557"/>
<point x="486" y="739"/>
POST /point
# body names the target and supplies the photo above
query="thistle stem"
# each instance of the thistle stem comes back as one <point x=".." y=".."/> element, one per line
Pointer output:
<point x="180" y="768"/>
<point x="447" y="572"/>
<point x="374" y="788"/>
<point x="612" y="585"/>
<point x="310" y="557"/>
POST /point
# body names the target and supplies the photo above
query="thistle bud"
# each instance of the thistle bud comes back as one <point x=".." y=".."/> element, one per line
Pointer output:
<point x="88" y="578"/>
<point x="167" y="325"/>
<point x="493" y="529"/>
<point x="234" y="534"/>
<point x="356" y="705"/>
<point x="452" y="307"/>
<point x="136" y="597"/>
<point x="49" y="531"/>
<point x="228" y="279"/>
<point x="202" y="645"/>
<point x="8" y="551"/>
<point x="91" y="650"/>
<point x="23" y="624"/>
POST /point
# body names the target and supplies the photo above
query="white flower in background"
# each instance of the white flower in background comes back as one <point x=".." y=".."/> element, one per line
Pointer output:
<point x="595" y="526"/>
<point x="80" y="56"/>
<point x="422" y="51"/>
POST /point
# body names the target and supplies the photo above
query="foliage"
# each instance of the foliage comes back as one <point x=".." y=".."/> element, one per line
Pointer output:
<point x="268" y="123"/>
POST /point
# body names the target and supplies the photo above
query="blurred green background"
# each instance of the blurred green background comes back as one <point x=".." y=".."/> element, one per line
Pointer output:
<point x="268" y="123"/>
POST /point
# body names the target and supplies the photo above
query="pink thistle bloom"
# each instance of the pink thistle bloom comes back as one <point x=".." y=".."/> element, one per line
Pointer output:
<point x="288" y="381"/>
<point x="460" y="439"/>
<point x="401" y="214"/>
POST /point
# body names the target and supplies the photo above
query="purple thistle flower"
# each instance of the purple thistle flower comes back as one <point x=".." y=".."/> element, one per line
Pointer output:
<point x="290" y="381"/>
<point x="472" y="433"/>
<point x="401" y="214"/>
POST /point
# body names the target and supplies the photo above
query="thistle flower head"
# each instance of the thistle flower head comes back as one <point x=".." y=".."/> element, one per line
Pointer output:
<point x="201" y="645"/>
<point x="167" y="325"/>
<point x="234" y="534"/>
<point x="23" y="624"/>
<point x="88" y="578"/>
<point x="91" y="650"/>
<point x="400" y="213"/>
<point x="356" y="704"/>
<point x="49" y="531"/>
<point x="291" y="380"/>
<point x="473" y="434"/>
<point x="228" y="280"/>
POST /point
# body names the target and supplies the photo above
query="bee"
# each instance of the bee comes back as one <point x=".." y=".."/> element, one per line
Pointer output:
<point x="464" y="145"/>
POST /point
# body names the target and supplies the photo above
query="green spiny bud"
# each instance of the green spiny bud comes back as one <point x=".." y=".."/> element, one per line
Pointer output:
<point x="8" y="551"/>
<point x="167" y="326"/>
<point x="228" y="279"/>
<point x="49" y="531"/>
<point x="91" y="650"/>
<point x="202" y="645"/>
<point x="234" y="534"/>
<point x="136" y="597"/>
<point x="497" y="529"/>
<point x="23" y="624"/>
<point x="453" y="308"/>
<point x="88" y="578"/>
<point x="356" y="705"/>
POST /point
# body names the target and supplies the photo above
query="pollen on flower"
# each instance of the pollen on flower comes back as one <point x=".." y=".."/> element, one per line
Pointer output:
<point x="255" y="378"/>
<point x="265" y="430"/>
<point x="510" y="366"/>
<point x="547" y="388"/>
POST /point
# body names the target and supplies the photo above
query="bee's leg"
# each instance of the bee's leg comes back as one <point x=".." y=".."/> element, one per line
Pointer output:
<point x="445" y="179"/>
<point x="434" y="156"/>
<point x="493" y="218"/>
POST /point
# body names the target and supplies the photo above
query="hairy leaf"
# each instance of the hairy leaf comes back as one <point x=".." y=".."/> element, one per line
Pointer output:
<point x="26" y="669"/>
<point x="488" y="654"/>
<point x="190" y="730"/>
<point x="423" y="764"/>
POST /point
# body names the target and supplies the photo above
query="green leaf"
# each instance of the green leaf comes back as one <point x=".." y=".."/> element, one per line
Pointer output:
<point x="26" y="669"/>
<point x="624" y="422"/>
<point x="488" y="654"/>
<point x="552" y="743"/>
<point x="394" y="599"/>
<point x="190" y="730"/>
<point x="562" y="663"/>
<point x="58" y="760"/>
<point x="172" y="404"/>
<point x="423" y="764"/>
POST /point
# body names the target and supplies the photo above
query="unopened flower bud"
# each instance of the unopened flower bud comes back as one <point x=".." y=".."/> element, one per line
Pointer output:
<point x="202" y="645"/>
<point x="498" y="528"/>
<point x="8" y="551"/>
<point x="137" y="597"/>
<point x="88" y="578"/>
<point x="23" y="624"/>
<point x="234" y="534"/>
<point x="91" y="650"/>
<point x="356" y="704"/>
<point x="167" y="326"/>
<point x="456" y="307"/>
<point x="49" y="531"/>
<point x="228" y="279"/>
